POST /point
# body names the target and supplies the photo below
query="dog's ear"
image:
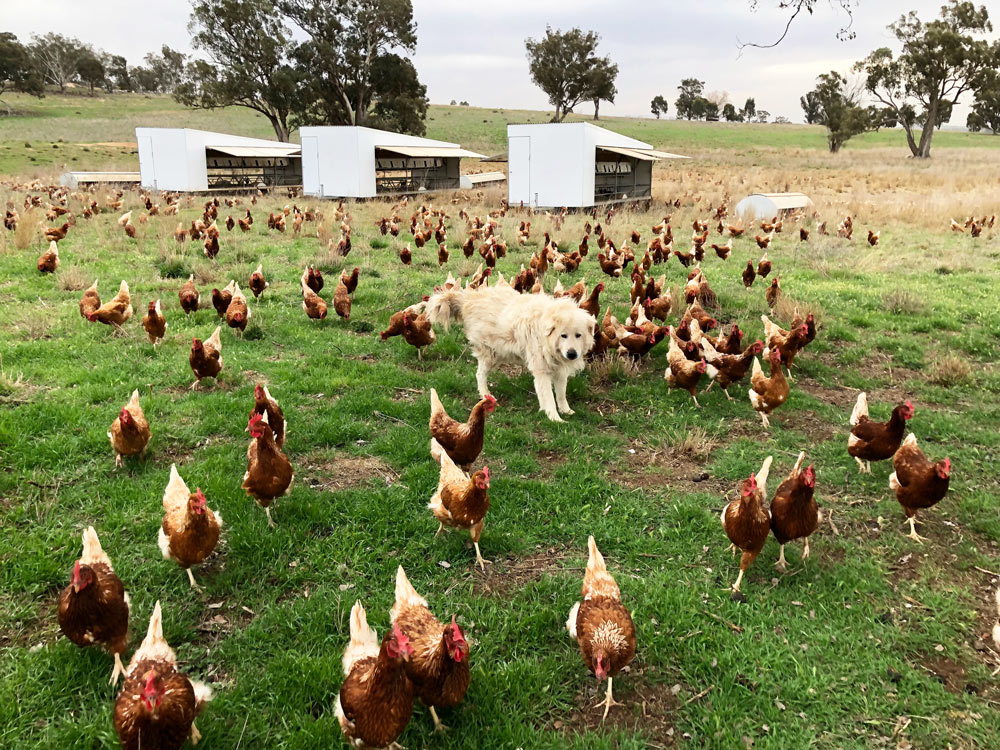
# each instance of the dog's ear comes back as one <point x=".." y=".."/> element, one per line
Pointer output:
<point x="551" y="331"/>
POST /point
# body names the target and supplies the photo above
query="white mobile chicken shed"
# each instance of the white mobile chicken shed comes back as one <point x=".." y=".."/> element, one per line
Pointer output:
<point x="197" y="160"/>
<point x="345" y="161"/>
<point x="768" y="205"/>
<point x="576" y="164"/>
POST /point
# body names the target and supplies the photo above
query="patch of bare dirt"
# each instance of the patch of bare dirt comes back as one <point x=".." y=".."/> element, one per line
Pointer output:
<point x="843" y="398"/>
<point x="948" y="672"/>
<point x="513" y="572"/>
<point x="655" y="468"/>
<point x="322" y="472"/>
<point x="647" y="707"/>
<point x="408" y="395"/>
<point x="812" y="426"/>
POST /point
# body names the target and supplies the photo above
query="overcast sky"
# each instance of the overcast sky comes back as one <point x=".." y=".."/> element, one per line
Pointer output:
<point x="474" y="50"/>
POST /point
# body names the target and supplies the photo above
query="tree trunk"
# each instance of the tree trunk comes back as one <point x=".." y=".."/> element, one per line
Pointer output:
<point x="555" y="117"/>
<point x="834" y="145"/>
<point x="280" y="127"/>
<point x="597" y="109"/>
<point x="924" y="149"/>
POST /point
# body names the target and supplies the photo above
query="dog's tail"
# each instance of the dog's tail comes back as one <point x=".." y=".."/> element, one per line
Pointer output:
<point x="445" y="307"/>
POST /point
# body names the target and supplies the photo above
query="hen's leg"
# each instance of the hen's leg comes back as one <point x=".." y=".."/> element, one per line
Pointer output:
<point x="479" y="557"/>
<point x="194" y="384"/>
<point x="805" y="549"/>
<point x="195" y="734"/>
<point x="726" y="391"/>
<point x="119" y="461"/>
<point x="440" y="529"/>
<point x="739" y="580"/>
<point x="438" y="726"/>
<point x="913" y="532"/>
<point x="861" y="465"/>
<point x="781" y="564"/>
<point x="118" y="670"/>
<point x="270" y="522"/>
<point x="608" y="701"/>
<point x="194" y="585"/>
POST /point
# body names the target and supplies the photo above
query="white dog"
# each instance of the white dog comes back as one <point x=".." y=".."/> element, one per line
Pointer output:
<point x="548" y="336"/>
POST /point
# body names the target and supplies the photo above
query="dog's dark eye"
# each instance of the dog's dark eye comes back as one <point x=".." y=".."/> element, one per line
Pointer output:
<point x="578" y="335"/>
<point x="565" y="336"/>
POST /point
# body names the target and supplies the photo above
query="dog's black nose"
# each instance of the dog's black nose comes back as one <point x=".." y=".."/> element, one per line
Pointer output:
<point x="571" y="354"/>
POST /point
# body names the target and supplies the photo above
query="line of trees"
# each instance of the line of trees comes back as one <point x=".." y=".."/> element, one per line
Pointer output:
<point x="296" y="62"/>
<point x="939" y="61"/>
<point x="60" y="61"/>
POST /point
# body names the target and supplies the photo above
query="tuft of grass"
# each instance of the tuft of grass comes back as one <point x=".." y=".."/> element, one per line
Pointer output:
<point x="612" y="369"/>
<point x="695" y="442"/>
<point x="72" y="279"/>
<point x="28" y="230"/>
<point x="173" y="267"/>
<point x="950" y="370"/>
<point x="902" y="302"/>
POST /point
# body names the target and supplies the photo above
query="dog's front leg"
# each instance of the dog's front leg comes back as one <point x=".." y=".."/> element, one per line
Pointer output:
<point x="546" y="401"/>
<point x="560" y="381"/>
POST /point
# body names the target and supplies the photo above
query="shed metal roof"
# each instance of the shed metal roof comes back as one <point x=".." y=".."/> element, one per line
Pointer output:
<point x="483" y="177"/>
<point x="430" y="152"/>
<point x="257" y="151"/>
<point x="643" y="154"/>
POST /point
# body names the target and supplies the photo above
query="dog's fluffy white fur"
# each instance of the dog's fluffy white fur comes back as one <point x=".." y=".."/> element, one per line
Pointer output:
<point x="548" y="336"/>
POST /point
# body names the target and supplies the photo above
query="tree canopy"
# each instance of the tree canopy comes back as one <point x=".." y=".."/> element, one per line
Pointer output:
<point x="985" y="114"/>
<point x="91" y="71"/>
<point x="565" y="65"/>
<point x="686" y="104"/>
<point x="939" y="61"/>
<point x="602" y="83"/>
<point x="794" y="9"/>
<point x="247" y="45"/>
<point x="350" y="67"/>
<point x="831" y="105"/>
<point x="17" y="71"/>
<point x="659" y="106"/>
<point x="56" y="56"/>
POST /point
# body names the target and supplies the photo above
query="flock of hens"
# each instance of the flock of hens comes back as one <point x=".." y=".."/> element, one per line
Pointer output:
<point x="421" y="656"/>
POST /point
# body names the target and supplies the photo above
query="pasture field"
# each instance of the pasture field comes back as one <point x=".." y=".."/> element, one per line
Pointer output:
<point x="873" y="642"/>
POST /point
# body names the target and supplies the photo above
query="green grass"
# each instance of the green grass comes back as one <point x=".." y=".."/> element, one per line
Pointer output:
<point x="57" y="125"/>
<point x="833" y="653"/>
<point x="872" y="642"/>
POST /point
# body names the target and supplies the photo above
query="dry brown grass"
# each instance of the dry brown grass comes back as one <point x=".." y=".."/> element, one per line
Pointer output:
<point x="694" y="442"/>
<point x="949" y="370"/>
<point x="876" y="186"/>
<point x="612" y="368"/>
<point x="902" y="302"/>
<point x="787" y="308"/>
<point x="28" y="230"/>
<point x="72" y="279"/>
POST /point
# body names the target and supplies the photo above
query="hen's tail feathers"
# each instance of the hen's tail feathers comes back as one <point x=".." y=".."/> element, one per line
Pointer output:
<point x="364" y="640"/>
<point x="215" y="340"/>
<point x="571" y="620"/>
<point x="92" y="550"/>
<point x="133" y="402"/>
<point x="765" y="469"/>
<point x="911" y="440"/>
<point x="798" y="464"/>
<point x="595" y="561"/>
<point x="202" y="693"/>
<point x="406" y="595"/>
<point x="154" y="646"/>
<point x="445" y="307"/>
<point x="436" y="406"/>
<point x="177" y="492"/>
<point x="860" y="409"/>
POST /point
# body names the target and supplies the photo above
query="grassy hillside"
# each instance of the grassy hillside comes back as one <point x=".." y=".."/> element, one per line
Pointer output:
<point x="876" y="641"/>
<point x="56" y="127"/>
